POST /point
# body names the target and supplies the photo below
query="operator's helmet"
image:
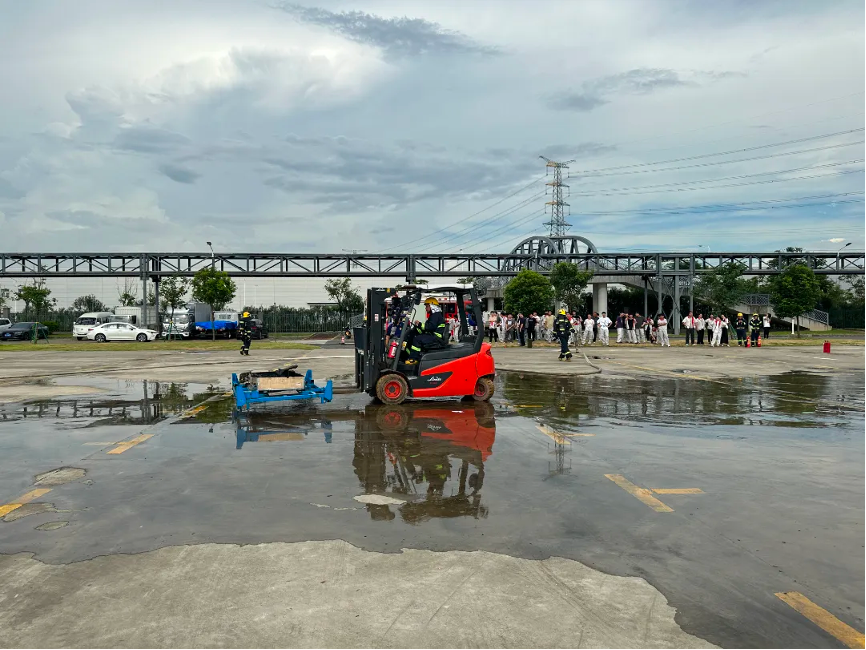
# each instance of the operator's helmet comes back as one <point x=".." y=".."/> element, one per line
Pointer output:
<point x="431" y="301"/>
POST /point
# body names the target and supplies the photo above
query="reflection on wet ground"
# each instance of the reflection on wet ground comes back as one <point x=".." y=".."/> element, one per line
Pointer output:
<point x="756" y="479"/>
<point x="129" y="402"/>
<point x="792" y="399"/>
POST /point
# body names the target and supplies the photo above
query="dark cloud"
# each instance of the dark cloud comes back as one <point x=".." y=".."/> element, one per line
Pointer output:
<point x="639" y="81"/>
<point x="149" y="139"/>
<point x="179" y="174"/>
<point x="397" y="37"/>
<point x="580" y="102"/>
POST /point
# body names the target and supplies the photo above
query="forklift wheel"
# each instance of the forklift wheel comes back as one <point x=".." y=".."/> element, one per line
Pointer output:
<point x="392" y="389"/>
<point x="483" y="390"/>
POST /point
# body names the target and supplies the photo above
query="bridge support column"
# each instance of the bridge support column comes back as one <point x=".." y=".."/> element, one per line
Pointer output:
<point x="599" y="297"/>
<point x="143" y="297"/>
<point x="156" y="304"/>
<point x="490" y="304"/>
<point x="676" y="316"/>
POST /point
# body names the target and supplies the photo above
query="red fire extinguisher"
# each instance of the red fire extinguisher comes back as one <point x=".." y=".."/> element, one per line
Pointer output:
<point x="748" y="342"/>
<point x="826" y="347"/>
<point x="759" y="340"/>
<point x="392" y="350"/>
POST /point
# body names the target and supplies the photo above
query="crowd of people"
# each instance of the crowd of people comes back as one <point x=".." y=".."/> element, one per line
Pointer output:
<point x="715" y="331"/>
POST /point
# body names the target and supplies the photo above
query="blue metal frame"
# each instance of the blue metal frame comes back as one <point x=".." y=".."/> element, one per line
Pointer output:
<point x="245" y="397"/>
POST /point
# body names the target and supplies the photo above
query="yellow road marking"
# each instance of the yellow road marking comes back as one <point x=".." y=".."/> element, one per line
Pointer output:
<point x="677" y="490"/>
<point x="562" y="438"/>
<point x="123" y="446"/>
<point x="641" y="494"/>
<point x="20" y="501"/>
<point x="823" y="619"/>
<point x="193" y="411"/>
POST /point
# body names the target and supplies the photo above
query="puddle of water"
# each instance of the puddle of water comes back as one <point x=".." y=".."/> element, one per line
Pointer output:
<point x="127" y="402"/>
<point x="52" y="525"/>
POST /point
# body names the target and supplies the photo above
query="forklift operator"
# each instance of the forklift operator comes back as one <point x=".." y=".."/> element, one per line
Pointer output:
<point x="430" y="336"/>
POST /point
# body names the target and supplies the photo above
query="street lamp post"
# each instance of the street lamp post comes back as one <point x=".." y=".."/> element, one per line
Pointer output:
<point x="839" y="251"/>
<point x="212" y="267"/>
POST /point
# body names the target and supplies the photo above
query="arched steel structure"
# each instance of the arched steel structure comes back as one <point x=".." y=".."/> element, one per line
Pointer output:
<point x="541" y="249"/>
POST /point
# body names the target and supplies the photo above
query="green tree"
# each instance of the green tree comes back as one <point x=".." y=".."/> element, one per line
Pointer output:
<point x="214" y="288"/>
<point x="88" y="303"/>
<point x="723" y="287"/>
<point x="568" y="283"/>
<point x="172" y="291"/>
<point x="794" y="291"/>
<point x="35" y="296"/>
<point x="527" y="292"/>
<point x="346" y="296"/>
<point x="858" y="291"/>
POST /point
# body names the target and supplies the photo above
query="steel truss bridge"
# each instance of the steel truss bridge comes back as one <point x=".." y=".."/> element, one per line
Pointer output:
<point x="156" y="266"/>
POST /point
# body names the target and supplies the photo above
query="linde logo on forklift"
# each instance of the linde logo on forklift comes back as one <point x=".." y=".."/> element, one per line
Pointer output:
<point x="418" y="361"/>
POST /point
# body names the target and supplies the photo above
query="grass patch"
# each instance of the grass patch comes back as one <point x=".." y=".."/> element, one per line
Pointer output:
<point x="156" y="346"/>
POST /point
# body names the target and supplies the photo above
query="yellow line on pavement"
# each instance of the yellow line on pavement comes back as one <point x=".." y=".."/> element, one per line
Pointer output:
<point x="20" y="501"/>
<point x="123" y="446"/>
<point x="823" y="619"/>
<point x="562" y="438"/>
<point x="641" y="494"/>
<point x="677" y="490"/>
<point x="193" y="411"/>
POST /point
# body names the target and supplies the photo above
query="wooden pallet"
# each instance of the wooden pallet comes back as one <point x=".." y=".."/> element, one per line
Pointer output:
<point x="279" y="383"/>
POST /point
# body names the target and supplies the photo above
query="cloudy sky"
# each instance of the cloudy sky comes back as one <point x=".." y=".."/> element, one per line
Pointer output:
<point x="273" y="126"/>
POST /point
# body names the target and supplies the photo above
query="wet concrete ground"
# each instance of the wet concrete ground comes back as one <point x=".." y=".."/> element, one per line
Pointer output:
<point x="767" y="478"/>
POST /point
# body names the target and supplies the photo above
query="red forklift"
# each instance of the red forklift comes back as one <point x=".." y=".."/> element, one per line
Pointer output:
<point x="461" y="369"/>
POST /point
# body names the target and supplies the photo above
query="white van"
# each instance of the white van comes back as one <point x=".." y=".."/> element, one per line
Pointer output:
<point x="86" y="322"/>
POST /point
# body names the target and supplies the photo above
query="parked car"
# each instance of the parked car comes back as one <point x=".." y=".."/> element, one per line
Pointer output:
<point x="120" y="332"/>
<point x="23" y="331"/>
<point x="86" y="322"/>
<point x="258" y="328"/>
<point x="5" y="324"/>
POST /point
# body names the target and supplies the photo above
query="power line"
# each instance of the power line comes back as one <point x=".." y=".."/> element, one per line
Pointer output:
<point x="502" y="213"/>
<point x="734" y="207"/>
<point x="726" y="178"/>
<point x="726" y="162"/>
<point x="471" y="216"/>
<point x="723" y="153"/>
<point x="715" y="187"/>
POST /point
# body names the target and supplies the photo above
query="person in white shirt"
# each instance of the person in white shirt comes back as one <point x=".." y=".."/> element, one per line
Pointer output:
<point x="604" y="324"/>
<point x="588" y="325"/>
<point x="766" y="322"/>
<point x="700" y="327"/>
<point x="717" y="332"/>
<point x="639" y="326"/>
<point x="662" y="325"/>
<point x="689" y="324"/>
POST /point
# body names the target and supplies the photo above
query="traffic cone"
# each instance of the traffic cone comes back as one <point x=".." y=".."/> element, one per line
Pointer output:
<point x="759" y="340"/>
<point x="748" y="341"/>
<point x="343" y="340"/>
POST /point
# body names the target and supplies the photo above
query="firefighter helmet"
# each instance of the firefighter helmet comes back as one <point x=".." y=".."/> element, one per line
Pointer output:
<point x="431" y="301"/>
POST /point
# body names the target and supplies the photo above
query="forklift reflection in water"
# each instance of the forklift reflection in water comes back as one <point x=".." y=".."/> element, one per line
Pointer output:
<point x="427" y="461"/>
<point x="461" y="369"/>
<point x="403" y="450"/>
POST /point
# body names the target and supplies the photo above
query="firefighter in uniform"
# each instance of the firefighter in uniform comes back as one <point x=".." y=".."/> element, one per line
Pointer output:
<point x="245" y="332"/>
<point x="740" y="326"/>
<point x="562" y="329"/>
<point x="430" y="336"/>
<point x="755" y="324"/>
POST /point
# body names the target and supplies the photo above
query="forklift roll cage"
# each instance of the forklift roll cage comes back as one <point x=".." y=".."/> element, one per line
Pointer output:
<point x="371" y="351"/>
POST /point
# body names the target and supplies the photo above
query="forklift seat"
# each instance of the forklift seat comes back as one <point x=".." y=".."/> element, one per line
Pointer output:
<point x="453" y="351"/>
